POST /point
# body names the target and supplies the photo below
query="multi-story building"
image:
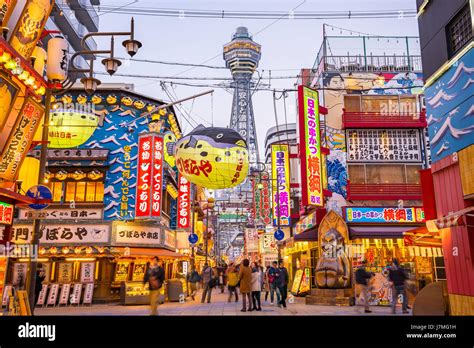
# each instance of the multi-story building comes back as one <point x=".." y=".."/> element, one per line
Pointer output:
<point x="284" y="133"/>
<point x="446" y="37"/>
<point x="105" y="220"/>
<point x="375" y="132"/>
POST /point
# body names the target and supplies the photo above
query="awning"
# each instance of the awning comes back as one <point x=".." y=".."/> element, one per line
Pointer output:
<point x="379" y="232"/>
<point x="454" y="219"/>
<point x="310" y="235"/>
<point x="149" y="252"/>
<point x="422" y="237"/>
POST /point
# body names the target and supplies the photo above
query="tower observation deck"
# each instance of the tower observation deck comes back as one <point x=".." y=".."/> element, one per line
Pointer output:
<point x="242" y="55"/>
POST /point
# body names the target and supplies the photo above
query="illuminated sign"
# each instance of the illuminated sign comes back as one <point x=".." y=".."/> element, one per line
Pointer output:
<point x="6" y="9"/>
<point x="20" y="140"/>
<point x="6" y="213"/>
<point x="184" y="203"/>
<point x="310" y="147"/>
<point x="29" y="26"/>
<point x="149" y="176"/>
<point x="385" y="215"/>
<point x="281" y="185"/>
<point x="68" y="129"/>
<point x="306" y="223"/>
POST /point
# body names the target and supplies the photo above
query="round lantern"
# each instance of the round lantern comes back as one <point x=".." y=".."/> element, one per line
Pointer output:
<point x="57" y="62"/>
<point x="38" y="59"/>
<point x="214" y="158"/>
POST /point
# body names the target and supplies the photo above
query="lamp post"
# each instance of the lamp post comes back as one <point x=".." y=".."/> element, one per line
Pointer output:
<point x="90" y="85"/>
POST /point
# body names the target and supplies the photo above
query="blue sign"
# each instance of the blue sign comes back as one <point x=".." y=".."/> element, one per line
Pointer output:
<point x="193" y="238"/>
<point x="279" y="235"/>
<point x="39" y="192"/>
<point x="450" y="109"/>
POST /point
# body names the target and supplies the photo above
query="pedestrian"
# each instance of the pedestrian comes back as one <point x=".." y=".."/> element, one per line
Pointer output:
<point x="398" y="276"/>
<point x="362" y="278"/>
<point x="40" y="277"/>
<point x="245" y="278"/>
<point x="194" y="278"/>
<point x="281" y="281"/>
<point x="209" y="281"/>
<point x="155" y="277"/>
<point x="271" y="275"/>
<point x="266" y="284"/>
<point x="232" y="282"/>
<point x="256" y="286"/>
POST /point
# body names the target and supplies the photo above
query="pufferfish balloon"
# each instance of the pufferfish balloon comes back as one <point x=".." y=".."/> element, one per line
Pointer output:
<point x="214" y="158"/>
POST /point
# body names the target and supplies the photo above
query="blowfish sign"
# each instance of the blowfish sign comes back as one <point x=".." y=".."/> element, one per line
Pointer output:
<point x="281" y="185"/>
<point x="310" y="146"/>
<point x="150" y="176"/>
<point x="184" y="202"/>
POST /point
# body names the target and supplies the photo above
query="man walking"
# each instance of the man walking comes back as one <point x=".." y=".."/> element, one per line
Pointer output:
<point x="397" y="276"/>
<point x="209" y="281"/>
<point x="282" y="283"/>
<point x="362" y="278"/>
<point x="155" y="278"/>
<point x="271" y="275"/>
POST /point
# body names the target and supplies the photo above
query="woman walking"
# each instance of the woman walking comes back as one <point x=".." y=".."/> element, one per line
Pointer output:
<point x="256" y="286"/>
<point x="245" y="278"/>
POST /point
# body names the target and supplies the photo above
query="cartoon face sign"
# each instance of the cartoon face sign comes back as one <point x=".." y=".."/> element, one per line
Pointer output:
<point x="214" y="158"/>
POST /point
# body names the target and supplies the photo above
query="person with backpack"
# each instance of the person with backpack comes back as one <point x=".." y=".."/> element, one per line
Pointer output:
<point x="193" y="278"/>
<point x="232" y="282"/>
<point x="362" y="278"/>
<point x="271" y="275"/>
<point x="209" y="281"/>
<point x="155" y="276"/>
<point x="398" y="276"/>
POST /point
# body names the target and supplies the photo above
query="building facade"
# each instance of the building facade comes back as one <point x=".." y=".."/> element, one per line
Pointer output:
<point x="446" y="27"/>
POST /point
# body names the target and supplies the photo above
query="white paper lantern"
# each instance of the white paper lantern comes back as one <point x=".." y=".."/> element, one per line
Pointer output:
<point x="38" y="59"/>
<point x="57" y="65"/>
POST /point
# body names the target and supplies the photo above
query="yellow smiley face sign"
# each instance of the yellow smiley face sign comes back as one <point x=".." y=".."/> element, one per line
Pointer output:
<point x="214" y="158"/>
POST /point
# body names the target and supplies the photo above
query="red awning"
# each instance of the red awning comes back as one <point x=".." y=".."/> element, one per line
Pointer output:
<point x="422" y="237"/>
<point x="454" y="219"/>
<point x="310" y="235"/>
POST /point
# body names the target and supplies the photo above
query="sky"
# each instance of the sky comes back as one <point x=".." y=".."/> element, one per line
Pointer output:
<point x="287" y="46"/>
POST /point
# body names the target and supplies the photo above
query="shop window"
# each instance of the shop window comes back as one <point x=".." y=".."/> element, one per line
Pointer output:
<point x="413" y="175"/>
<point x="80" y="191"/>
<point x="385" y="104"/>
<point x="352" y="103"/>
<point x="357" y="174"/>
<point x="90" y="191"/>
<point x="99" y="192"/>
<point x="385" y="174"/>
<point x="408" y="105"/>
<point x="57" y="190"/>
<point x="70" y="191"/>
<point x="440" y="270"/>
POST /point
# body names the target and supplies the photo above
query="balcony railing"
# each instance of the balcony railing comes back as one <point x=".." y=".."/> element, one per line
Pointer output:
<point x="384" y="119"/>
<point x="87" y="14"/>
<point x="383" y="191"/>
<point x="372" y="63"/>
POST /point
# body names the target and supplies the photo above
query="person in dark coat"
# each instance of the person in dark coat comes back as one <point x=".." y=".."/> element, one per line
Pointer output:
<point x="40" y="277"/>
<point x="398" y="276"/>
<point x="155" y="278"/>
<point x="281" y="282"/>
<point x="362" y="278"/>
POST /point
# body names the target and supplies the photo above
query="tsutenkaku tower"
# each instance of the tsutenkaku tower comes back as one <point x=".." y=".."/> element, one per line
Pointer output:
<point x="242" y="55"/>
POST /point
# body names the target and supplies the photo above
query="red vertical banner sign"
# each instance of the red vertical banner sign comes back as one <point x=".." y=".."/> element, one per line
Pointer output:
<point x="157" y="176"/>
<point x="184" y="203"/>
<point x="144" y="176"/>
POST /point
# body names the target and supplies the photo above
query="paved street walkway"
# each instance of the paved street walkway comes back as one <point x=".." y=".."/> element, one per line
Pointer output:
<point x="218" y="306"/>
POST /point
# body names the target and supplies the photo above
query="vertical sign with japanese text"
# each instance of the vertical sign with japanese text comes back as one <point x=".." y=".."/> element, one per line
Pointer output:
<point x="144" y="173"/>
<point x="281" y="184"/>
<point x="157" y="175"/>
<point x="184" y="202"/>
<point x="310" y="146"/>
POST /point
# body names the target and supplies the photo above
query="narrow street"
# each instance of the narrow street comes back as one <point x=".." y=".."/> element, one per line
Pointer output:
<point x="218" y="306"/>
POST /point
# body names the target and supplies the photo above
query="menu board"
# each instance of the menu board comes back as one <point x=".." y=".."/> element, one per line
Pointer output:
<point x="88" y="292"/>
<point x="423" y="265"/>
<point x="121" y="271"/>
<point x="42" y="295"/>
<point x="19" y="273"/>
<point x="65" y="272"/>
<point x="297" y="282"/>
<point x="139" y="271"/>
<point x="87" y="272"/>
<point x="53" y="294"/>
<point x="64" y="296"/>
<point x="305" y="282"/>
<point x="76" y="294"/>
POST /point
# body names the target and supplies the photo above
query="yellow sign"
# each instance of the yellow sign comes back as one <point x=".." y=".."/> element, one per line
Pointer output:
<point x="296" y="282"/>
<point x="139" y="271"/>
<point x="70" y="129"/>
<point x="20" y="139"/>
<point x="121" y="271"/>
<point x="6" y="9"/>
<point x="30" y="25"/>
<point x="281" y="184"/>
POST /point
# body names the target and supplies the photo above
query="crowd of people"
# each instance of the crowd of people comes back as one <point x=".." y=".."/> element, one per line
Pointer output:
<point x="248" y="279"/>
